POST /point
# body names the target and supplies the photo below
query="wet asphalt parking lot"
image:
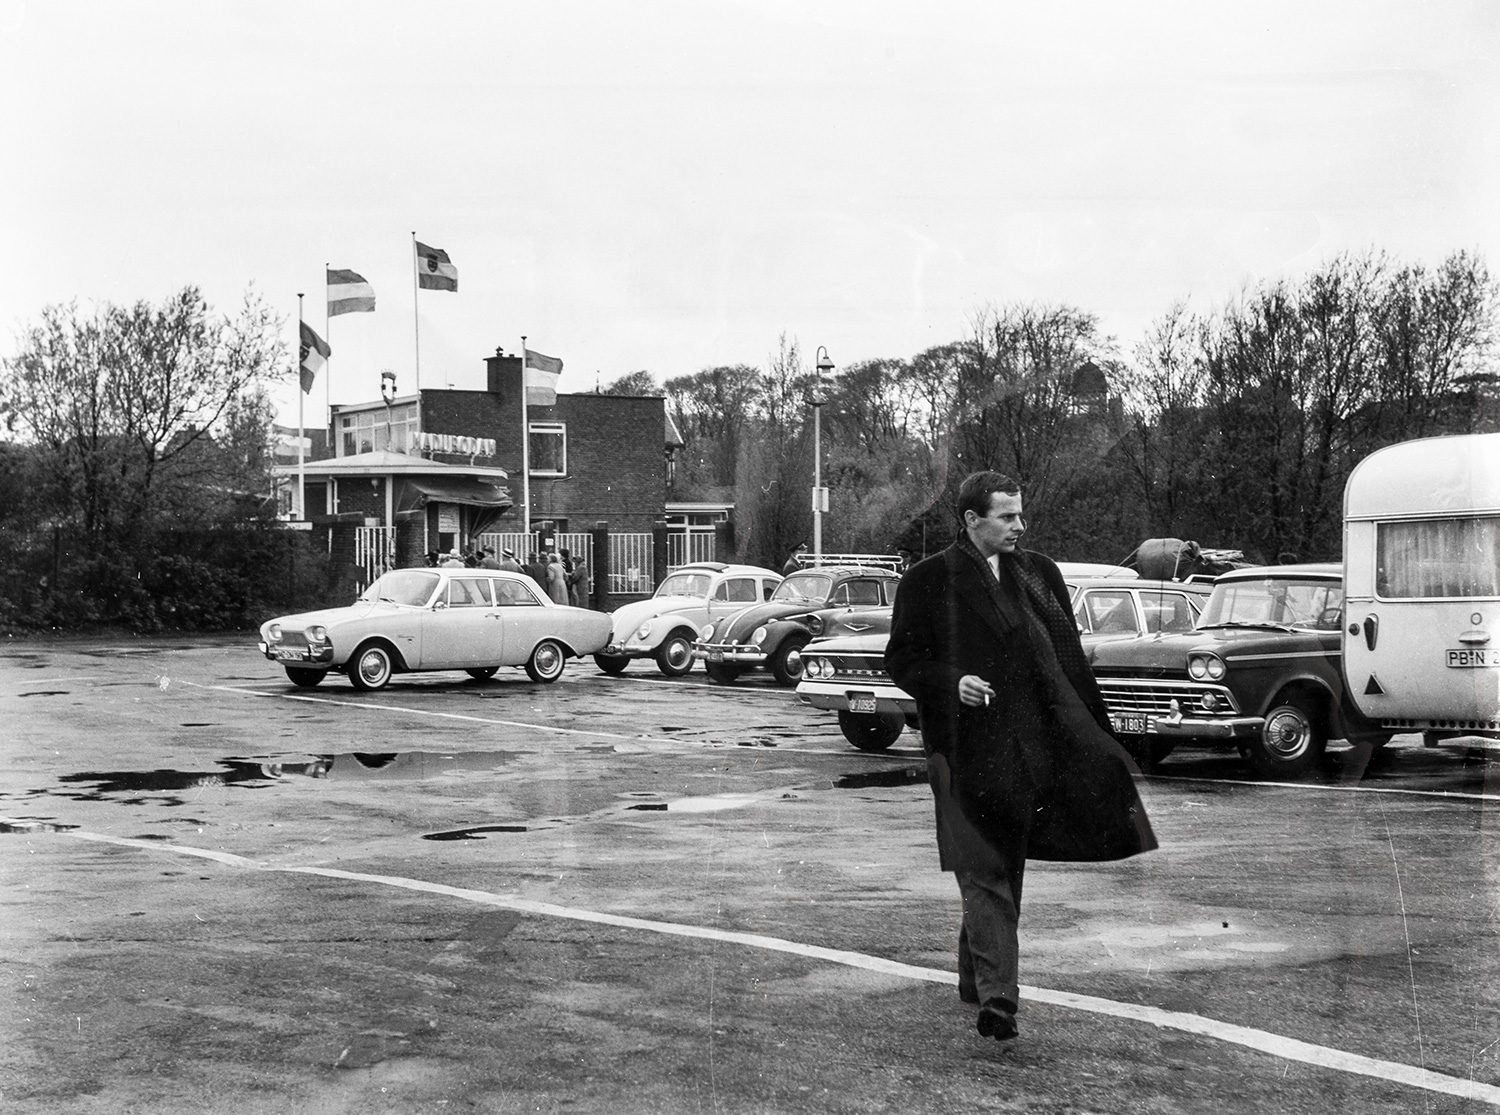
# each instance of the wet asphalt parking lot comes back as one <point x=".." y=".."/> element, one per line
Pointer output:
<point x="629" y="894"/>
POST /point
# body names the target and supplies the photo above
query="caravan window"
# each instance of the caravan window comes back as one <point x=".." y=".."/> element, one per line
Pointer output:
<point x="1437" y="558"/>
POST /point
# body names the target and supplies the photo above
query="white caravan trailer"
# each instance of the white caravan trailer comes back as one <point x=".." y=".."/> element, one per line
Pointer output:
<point x="1422" y="586"/>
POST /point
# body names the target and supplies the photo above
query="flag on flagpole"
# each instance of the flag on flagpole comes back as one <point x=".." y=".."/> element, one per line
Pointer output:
<point x="541" y="374"/>
<point x="435" y="271"/>
<point x="348" y="293"/>
<point x="315" y="353"/>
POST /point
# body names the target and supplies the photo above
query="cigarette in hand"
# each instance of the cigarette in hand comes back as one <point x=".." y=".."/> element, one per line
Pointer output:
<point x="986" y="700"/>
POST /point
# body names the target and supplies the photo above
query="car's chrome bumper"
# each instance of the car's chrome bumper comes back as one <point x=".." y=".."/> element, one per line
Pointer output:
<point x="296" y="656"/>
<point x="1177" y="725"/>
<point x="853" y="697"/>
<point x="632" y="649"/>
<point x="721" y="652"/>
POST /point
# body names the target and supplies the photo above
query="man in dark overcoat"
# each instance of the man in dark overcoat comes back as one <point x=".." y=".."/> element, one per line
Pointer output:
<point x="1020" y="754"/>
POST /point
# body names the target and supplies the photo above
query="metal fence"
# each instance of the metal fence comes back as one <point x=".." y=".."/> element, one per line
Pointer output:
<point x="630" y="565"/>
<point x="683" y="549"/>
<point x="374" y="552"/>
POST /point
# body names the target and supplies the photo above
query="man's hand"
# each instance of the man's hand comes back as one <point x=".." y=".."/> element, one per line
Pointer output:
<point x="974" y="690"/>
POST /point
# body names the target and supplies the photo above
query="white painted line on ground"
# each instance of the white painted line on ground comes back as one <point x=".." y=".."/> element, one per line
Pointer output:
<point x="1262" y="1041"/>
<point x="1311" y="786"/>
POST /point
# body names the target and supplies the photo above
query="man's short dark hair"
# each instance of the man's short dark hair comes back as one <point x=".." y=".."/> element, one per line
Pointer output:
<point x="975" y="492"/>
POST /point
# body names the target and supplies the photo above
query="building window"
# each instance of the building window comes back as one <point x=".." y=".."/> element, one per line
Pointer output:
<point x="368" y="431"/>
<point x="549" y="449"/>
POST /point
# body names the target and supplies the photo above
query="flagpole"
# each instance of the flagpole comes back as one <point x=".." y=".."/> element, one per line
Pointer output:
<point x="328" y="372"/>
<point x="525" y="453"/>
<point x="416" y="334"/>
<point x="301" y="464"/>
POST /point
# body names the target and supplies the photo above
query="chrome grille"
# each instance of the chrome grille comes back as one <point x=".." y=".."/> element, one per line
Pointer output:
<point x="1127" y="697"/>
<point x="865" y="668"/>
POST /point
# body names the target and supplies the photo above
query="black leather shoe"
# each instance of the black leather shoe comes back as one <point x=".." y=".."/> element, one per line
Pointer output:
<point x="997" y="1023"/>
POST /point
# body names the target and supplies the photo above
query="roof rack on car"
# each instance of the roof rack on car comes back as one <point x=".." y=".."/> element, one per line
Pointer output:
<point x="880" y="561"/>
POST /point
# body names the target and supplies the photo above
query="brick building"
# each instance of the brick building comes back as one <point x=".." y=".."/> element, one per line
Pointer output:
<point x="435" y="470"/>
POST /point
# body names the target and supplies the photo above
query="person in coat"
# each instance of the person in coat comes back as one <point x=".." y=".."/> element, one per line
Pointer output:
<point x="1020" y="755"/>
<point x="557" y="580"/>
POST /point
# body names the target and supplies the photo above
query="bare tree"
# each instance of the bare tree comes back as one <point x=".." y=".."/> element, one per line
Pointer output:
<point x="120" y="404"/>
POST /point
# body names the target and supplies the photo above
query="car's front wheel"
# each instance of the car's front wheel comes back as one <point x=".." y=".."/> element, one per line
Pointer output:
<point x="611" y="664"/>
<point x="1292" y="741"/>
<point x="675" y="655"/>
<point x="786" y="661"/>
<point x="547" y="661"/>
<point x="371" y="667"/>
<point x="304" y="678"/>
<point x="871" y="731"/>
<point x="722" y="672"/>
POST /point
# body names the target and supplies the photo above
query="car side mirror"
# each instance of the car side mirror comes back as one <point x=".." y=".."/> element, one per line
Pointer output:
<point x="439" y="605"/>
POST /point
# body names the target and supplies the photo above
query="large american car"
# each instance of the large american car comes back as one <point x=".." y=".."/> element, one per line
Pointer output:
<point x="475" y="620"/>
<point x="845" y="670"/>
<point x="1262" y="672"/>
<point x="665" y="626"/>
<point x="806" y="604"/>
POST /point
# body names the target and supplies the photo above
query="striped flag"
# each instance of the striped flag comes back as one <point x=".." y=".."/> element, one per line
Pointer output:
<point x="348" y="293"/>
<point x="315" y="353"/>
<point x="541" y="374"/>
<point x="435" y="271"/>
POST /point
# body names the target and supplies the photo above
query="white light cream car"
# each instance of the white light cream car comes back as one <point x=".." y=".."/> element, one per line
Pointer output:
<point x="665" y="627"/>
<point x="475" y="620"/>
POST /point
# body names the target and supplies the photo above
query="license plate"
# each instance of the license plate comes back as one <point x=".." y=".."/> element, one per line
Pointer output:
<point x="716" y="656"/>
<point x="288" y="654"/>
<point x="1131" y="725"/>
<point x="1468" y="658"/>
<point x="861" y="703"/>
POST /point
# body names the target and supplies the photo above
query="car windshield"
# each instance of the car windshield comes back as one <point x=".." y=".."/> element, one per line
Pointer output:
<point x="1310" y="604"/>
<point x="685" y="584"/>
<point x="803" y="588"/>
<point x="402" y="586"/>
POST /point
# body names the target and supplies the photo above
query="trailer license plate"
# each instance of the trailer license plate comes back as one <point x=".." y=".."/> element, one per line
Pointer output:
<point x="1131" y="725"/>
<point x="1468" y="658"/>
<point x="861" y="702"/>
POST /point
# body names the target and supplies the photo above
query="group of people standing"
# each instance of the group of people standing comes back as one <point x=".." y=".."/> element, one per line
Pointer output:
<point x="557" y="573"/>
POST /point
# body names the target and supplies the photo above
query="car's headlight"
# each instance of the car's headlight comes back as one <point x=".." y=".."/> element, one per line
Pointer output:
<point x="643" y="630"/>
<point x="706" y="632"/>
<point x="273" y="633"/>
<point x="815" y="625"/>
<point x="758" y="636"/>
<point x="317" y="633"/>
<point x="815" y="668"/>
<point x="1206" y="667"/>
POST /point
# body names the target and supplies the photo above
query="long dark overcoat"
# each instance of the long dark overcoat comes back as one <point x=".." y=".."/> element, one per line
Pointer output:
<point x="1037" y="771"/>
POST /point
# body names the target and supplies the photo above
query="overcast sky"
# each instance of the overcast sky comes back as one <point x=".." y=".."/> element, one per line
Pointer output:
<point x="670" y="186"/>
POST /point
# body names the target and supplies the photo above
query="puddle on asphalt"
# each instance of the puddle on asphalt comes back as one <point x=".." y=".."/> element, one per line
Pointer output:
<point x="882" y="779"/>
<point x="34" y="826"/>
<point x="260" y="771"/>
<point x="658" y="805"/>
<point x="472" y="833"/>
<point x="45" y="693"/>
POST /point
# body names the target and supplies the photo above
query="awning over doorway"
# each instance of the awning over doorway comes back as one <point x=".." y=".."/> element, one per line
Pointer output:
<point x="489" y="500"/>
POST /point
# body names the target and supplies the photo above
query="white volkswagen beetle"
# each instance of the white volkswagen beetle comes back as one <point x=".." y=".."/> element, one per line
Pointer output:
<point x="475" y="620"/>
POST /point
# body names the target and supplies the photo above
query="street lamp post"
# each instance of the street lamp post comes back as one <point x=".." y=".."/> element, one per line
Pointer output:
<point x="819" y="493"/>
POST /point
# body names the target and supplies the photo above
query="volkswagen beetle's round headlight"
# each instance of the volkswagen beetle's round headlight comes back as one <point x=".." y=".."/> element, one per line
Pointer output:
<point x="815" y="625"/>
<point x="759" y="636"/>
<point x="273" y="633"/>
<point x="643" y="630"/>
